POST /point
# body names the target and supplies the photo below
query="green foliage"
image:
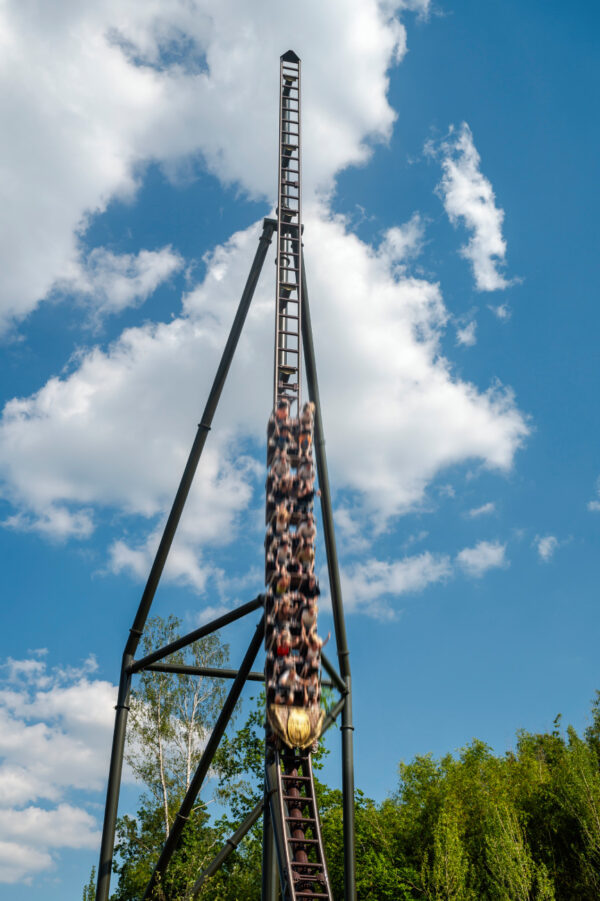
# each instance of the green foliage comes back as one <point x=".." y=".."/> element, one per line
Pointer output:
<point x="474" y="826"/>
<point x="509" y="860"/>
<point x="170" y="718"/>
<point x="240" y="762"/>
<point x="139" y="841"/>
<point x="379" y="874"/>
<point x="525" y="825"/>
<point x="89" y="890"/>
<point x="447" y="876"/>
<point x="171" y="715"/>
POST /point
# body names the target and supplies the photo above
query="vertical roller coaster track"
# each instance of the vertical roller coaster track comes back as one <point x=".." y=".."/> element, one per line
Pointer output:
<point x="294" y="862"/>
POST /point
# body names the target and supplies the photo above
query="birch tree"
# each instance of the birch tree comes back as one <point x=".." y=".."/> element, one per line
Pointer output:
<point x="171" y="716"/>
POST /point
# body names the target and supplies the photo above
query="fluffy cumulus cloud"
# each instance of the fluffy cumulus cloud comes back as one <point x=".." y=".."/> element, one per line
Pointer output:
<point x="369" y="587"/>
<point x="502" y="311"/>
<point x="110" y="282"/>
<point x="468" y="196"/>
<point x="108" y="86"/>
<point x="546" y="546"/>
<point x="55" y="733"/>
<point x="467" y="335"/>
<point x="483" y="510"/>
<point x="73" y="445"/>
<point x="386" y="372"/>
<point x="54" y="522"/>
<point x="403" y="242"/>
<point x="476" y="561"/>
<point x="96" y="90"/>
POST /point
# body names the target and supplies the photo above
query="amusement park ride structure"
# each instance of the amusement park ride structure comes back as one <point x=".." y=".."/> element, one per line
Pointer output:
<point x="294" y="865"/>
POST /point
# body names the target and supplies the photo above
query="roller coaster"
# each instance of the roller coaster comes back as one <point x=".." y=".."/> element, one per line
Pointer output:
<point x="294" y="863"/>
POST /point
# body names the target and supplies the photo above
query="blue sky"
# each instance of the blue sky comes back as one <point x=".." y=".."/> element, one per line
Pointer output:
<point x="450" y="229"/>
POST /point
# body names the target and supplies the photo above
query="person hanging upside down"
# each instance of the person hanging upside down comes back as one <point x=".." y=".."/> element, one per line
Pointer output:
<point x="283" y="556"/>
<point x="308" y="617"/>
<point x="305" y="441"/>
<point x="310" y="587"/>
<point x="307" y="530"/>
<point x="281" y="464"/>
<point x="311" y="689"/>
<point x="283" y="611"/>
<point x="306" y="470"/>
<point x="307" y="417"/>
<point x="283" y="487"/>
<point x="273" y="541"/>
<point x="282" y="518"/>
<point x="286" y="679"/>
<point x="306" y="557"/>
<point x="282" y="583"/>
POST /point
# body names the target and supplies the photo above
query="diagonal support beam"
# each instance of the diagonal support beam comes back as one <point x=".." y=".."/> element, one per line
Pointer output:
<point x="335" y="677"/>
<point x="229" y="846"/>
<point x="333" y="715"/>
<point x="135" y="633"/>
<point x="198" y="446"/>
<point x="209" y="752"/>
<point x="201" y="632"/>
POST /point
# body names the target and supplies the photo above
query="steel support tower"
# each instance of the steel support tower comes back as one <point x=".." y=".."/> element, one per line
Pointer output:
<point x="289" y="791"/>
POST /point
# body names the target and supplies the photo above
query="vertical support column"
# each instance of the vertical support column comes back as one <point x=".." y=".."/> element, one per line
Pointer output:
<point x="347" y="730"/>
<point x="337" y="605"/>
<point x="270" y="875"/>
<point x="114" y="781"/>
<point x="135" y="633"/>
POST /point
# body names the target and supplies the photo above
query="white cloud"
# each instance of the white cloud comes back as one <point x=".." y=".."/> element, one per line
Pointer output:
<point x="106" y="97"/>
<point x="350" y="528"/>
<point x="95" y="91"/>
<point x="54" y="522"/>
<point x="546" y="546"/>
<point x="466" y="335"/>
<point x="19" y="862"/>
<point x="400" y="414"/>
<point x="111" y="282"/>
<point x="183" y="564"/>
<point x="484" y="510"/>
<point x="421" y="7"/>
<point x="28" y="669"/>
<point x="403" y="242"/>
<point x="55" y="734"/>
<point x="594" y="505"/>
<point x="485" y="555"/>
<point x="468" y="195"/>
<point x="369" y="587"/>
<point x="63" y="827"/>
<point x="502" y="311"/>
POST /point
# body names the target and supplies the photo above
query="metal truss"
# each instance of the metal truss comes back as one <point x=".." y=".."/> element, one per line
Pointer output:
<point x="340" y="680"/>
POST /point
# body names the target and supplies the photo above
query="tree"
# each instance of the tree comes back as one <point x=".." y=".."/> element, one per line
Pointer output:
<point x="514" y="874"/>
<point x="89" y="890"/>
<point x="522" y="826"/>
<point x="172" y="715"/>
<point x="170" y="719"/>
<point x="447" y="878"/>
